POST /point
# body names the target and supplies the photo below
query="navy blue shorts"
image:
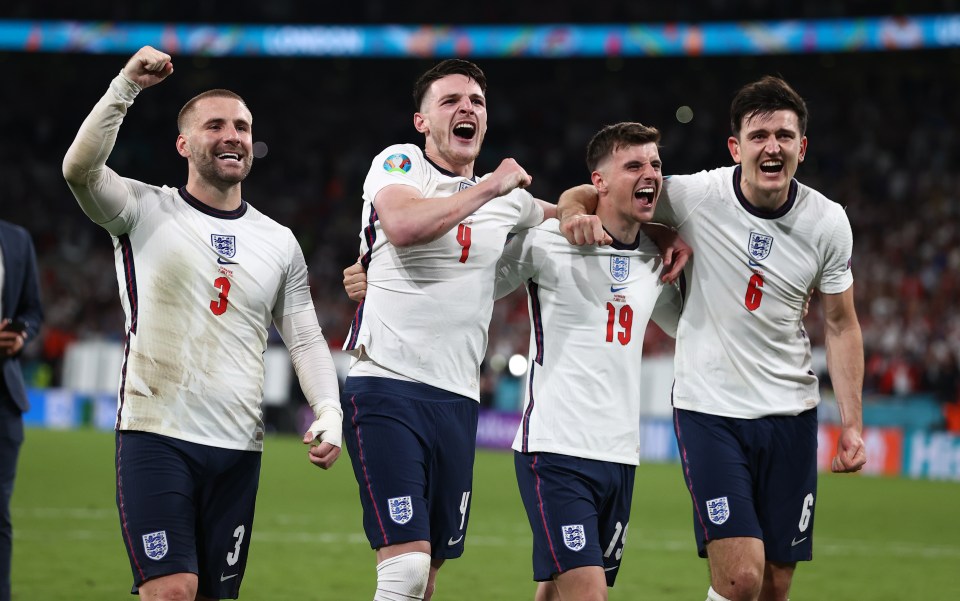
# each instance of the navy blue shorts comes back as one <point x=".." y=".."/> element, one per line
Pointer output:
<point x="751" y="478"/>
<point x="186" y="508"/>
<point x="412" y="447"/>
<point x="578" y="509"/>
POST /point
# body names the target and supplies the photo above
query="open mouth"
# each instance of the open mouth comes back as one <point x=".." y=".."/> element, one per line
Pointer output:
<point x="465" y="130"/>
<point x="771" y="166"/>
<point x="645" y="195"/>
<point x="229" y="156"/>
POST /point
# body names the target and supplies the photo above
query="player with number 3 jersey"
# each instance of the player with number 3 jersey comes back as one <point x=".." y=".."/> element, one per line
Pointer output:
<point x="202" y="276"/>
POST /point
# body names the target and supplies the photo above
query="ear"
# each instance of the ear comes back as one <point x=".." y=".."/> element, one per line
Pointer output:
<point x="803" y="148"/>
<point x="733" y="145"/>
<point x="420" y="123"/>
<point x="182" y="149"/>
<point x="597" y="178"/>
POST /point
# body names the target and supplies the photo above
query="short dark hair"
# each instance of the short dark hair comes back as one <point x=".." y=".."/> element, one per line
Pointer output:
<point x="451" y="66"/>
<point x="764" y="97"/>
<point x="187" y="109"/>
<point x="618" y="135"/>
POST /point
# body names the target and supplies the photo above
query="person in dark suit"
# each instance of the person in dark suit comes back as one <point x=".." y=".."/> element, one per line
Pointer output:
<point x="21" y="315"/>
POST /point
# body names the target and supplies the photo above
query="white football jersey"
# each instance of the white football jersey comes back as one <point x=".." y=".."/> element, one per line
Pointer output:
<point x="427" y="308"/>
<point x="742" y="350"/>
<point x="589" y="307"/>
<point x="200" y="288"/>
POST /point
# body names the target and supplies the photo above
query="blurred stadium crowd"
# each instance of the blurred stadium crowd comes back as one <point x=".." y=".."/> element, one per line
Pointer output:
<point x="883" y="142"/>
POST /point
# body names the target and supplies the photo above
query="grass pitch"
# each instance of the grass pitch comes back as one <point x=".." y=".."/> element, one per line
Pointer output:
<point x="877" y="539"/>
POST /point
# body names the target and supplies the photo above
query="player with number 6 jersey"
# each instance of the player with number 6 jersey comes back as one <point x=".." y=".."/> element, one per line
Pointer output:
<point x="762" y="266"/>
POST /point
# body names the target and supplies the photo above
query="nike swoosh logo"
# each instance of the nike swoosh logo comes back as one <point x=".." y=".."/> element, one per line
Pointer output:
<point x="796" y="542"/>
<point x="611" y="569"/>
<point x="225" y="578"/>
<point x="223" y="261"/>
<point x="454" y="541"/>
<point x="612" y="289"/>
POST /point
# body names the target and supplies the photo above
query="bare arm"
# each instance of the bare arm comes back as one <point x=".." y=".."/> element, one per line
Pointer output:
<point x="98" y="188"/>
<point x="409" y="219"/>
<point x="845" y="364"/>
<point x="578" y="223"/>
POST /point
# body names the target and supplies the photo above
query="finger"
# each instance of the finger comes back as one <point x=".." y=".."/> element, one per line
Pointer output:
<point x="308" y="438"/>
<point x="606" y="240"/>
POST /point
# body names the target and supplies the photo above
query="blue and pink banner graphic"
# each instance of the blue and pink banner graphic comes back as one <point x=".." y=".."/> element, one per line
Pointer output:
<point x="494" y="41"/>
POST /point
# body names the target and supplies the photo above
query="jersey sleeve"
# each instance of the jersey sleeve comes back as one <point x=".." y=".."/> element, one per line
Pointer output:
<point x="102" y="194"/>
<point x="294" y="294"/>
<point x="680" y="197"/>
<point x="666" y="311"/>
<point x="531" y="213"/>
<point x="400" y="164"/>
<point x="837" y="273"/>
<point x="517" y="264"/>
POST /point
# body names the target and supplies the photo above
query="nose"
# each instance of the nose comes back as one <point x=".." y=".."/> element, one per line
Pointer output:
<point x="466" y="105"/>
<point x="773" y="146"/>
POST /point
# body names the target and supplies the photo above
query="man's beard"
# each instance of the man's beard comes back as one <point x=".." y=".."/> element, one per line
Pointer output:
<point x="211" y="172"/>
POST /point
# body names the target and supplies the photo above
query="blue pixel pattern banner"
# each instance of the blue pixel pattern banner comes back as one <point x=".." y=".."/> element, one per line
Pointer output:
<point x="529" y="41"/>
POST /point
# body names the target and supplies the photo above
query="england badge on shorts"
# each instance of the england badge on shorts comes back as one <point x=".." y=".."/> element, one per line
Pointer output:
<point x="574" y="537"/>
<point x="155" y="544"/>
<point x="401" y="509"/>
<point x="718" y="510"/>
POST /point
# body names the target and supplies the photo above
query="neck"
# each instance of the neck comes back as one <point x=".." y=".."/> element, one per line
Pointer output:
<point x="766" y="201"/>
<point x="463" y="170"/>
<point x="223" y="199"/>
<point x="620" y="227"/>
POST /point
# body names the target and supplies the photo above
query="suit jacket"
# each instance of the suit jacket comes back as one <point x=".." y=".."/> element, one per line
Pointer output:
<point x="21" y="300"/>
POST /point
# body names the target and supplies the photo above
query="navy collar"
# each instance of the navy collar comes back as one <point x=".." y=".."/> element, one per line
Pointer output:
<point x="207" y="209"/>
<point x="616" y="244"/>
<point x="445" y="171"/>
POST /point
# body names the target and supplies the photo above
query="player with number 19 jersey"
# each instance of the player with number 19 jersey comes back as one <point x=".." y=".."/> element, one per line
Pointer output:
<point x="445" y="287"/>
<point x="192" y="280"/>
<point x="589" y="307"/>
<point x="742" y="350"/>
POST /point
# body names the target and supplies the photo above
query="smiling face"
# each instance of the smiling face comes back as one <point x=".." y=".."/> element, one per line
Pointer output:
<point x="217" y="140"/>
<point x="453" y="117"/>
<point x="769" y="147"/>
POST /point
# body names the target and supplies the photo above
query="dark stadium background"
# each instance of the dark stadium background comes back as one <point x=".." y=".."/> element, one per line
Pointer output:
<point x="883" y="142"/>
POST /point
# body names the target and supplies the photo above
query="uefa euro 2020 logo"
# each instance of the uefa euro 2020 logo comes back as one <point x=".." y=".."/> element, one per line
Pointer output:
<point x="397" y="163"/>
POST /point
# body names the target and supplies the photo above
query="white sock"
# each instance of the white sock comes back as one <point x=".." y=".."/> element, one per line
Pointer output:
<point x="713" y="595"/>
<point x="403" y="578"/>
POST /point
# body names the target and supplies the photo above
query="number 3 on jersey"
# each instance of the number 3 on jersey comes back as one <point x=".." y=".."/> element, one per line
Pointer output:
<point x="219" y="306"/>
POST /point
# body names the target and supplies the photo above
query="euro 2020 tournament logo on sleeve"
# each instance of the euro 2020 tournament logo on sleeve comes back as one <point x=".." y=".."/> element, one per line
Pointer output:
<point x="401" y="509"/>
<point x="397" y="163"/>
<point x="620" y="268"/>
<point x="155" y="544"/>
<point x="759" y="246"/>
